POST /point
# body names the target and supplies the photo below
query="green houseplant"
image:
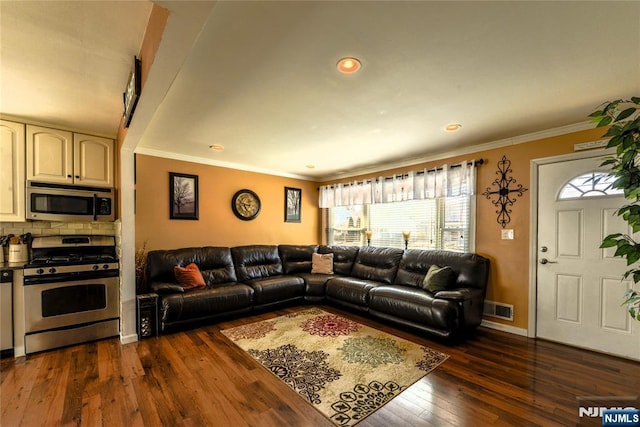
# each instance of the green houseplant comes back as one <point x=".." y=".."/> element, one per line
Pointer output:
<point x="623" y="118"/>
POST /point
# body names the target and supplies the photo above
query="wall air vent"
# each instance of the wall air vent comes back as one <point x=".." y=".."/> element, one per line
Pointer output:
<point x="498" y="309"/>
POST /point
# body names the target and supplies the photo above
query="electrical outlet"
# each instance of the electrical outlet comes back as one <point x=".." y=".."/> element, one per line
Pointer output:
<point x="507" y="234"/>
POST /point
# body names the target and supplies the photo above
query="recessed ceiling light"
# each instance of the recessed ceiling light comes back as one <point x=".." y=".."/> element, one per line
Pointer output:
<point x="452" y="127"/>
<point x="348" y="65"/>
<point x="217" y="147"/>
<point x="310" y="166"/>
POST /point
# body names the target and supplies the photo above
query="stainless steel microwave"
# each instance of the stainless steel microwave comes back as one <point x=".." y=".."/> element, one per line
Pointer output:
<point x="67" y="203"/>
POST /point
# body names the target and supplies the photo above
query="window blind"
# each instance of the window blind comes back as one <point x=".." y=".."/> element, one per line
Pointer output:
<point x="443" y="223"/>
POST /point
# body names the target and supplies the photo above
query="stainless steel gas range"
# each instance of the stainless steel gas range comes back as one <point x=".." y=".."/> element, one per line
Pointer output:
<point x="71" y="291"/>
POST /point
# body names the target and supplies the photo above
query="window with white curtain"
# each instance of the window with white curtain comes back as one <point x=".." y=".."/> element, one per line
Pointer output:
<point x="436" y="207"/>
<point x="442" y="223"/>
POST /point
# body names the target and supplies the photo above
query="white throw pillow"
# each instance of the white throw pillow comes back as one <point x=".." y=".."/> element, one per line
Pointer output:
<point x="321" y="263"/>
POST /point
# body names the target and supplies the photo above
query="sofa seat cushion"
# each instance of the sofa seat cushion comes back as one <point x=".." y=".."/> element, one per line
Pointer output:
<point x="316" y="284"/>
<point x="350" y="290"/>
<point x="276" y="288"/>
<point x="205" y="302"/>
<point x="414" y="304"/>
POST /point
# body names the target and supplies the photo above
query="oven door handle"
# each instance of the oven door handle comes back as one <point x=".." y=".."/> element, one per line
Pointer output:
<point x="68" y="277"/>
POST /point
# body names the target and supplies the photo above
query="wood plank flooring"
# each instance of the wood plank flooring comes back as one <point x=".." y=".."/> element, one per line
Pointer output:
<point x="199" y="378"/>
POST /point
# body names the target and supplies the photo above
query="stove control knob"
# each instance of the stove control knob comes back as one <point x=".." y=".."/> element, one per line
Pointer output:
<point x="95" y="267"/>
<point x="40" y="271"/>
<point x="106" y="266"/>
<point x="52" y="270"/>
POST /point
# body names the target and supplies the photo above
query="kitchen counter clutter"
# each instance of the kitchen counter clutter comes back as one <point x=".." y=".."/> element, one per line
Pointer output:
<point x="12" y="265"/>
<point x="18" y="248"/>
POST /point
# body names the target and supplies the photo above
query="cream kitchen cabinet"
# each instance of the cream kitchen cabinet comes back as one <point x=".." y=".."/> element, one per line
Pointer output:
<point x="93" y="160"/>
<point x="63" y="157"/>
<point x="12" y="171"/>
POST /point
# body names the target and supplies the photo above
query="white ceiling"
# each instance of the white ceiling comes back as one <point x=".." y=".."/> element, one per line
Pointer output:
<point x="67" y="62"/>
<point x="259" y="78"/>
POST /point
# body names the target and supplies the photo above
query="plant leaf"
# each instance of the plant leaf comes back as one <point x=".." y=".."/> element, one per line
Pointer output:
<point x="604" y="122"/>
<point x="625" y="113"/>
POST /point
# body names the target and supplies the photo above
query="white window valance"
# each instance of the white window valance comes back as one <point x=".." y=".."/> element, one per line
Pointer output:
<point x="447" y="181"/>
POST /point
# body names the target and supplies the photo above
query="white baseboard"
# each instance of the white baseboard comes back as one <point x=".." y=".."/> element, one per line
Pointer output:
<point x="126" y="339"/>
<point x="504" y="328"/>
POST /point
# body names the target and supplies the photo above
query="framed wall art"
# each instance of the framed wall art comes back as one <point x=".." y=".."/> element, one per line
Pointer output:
<point x="183" y="196"/>
<point x="292" y="204"/>
<point x="132" y="92"/>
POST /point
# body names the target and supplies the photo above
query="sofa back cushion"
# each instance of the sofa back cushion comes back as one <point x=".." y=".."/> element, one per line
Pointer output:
<point x="343" y="257"/>
<point x="256" y="261"/>
<point x="296" y="258"/>
<point x="379" y="264"/>
<point x="470" y="270"/>
<point x="215" y="264"/>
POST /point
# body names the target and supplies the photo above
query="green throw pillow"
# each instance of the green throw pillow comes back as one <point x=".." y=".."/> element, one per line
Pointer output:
<point x="438" y="278"/>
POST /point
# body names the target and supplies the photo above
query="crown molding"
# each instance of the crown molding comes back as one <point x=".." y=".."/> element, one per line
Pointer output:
<point x="472" y="149"/>
<point x="26" y="121"/>
<point x="549" y="133"/>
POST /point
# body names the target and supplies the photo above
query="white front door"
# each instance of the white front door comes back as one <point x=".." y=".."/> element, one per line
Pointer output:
<point x="579" y="285"/>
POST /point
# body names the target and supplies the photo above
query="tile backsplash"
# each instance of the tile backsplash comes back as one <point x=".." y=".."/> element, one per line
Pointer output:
<point x="46" y="228"/>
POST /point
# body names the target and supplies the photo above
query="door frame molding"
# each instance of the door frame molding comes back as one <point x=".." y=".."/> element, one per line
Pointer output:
<point x="533" y="230"/>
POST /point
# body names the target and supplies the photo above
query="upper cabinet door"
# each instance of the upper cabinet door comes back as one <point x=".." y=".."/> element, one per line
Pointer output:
<point x="93" y="160"/>
<point x="12" y="202"/>
<point x="49" y="155"/>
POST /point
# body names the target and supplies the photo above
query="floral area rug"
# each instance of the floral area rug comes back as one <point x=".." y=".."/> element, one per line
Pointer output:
<point x="346" y="370"/>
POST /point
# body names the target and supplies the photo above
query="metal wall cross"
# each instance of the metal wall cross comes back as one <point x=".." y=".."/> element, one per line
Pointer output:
<point x="506" y="196"/>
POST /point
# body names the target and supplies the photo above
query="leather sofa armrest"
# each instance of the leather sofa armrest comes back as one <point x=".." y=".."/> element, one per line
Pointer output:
<point x="166" y="288"/>
<point x="459" y="294"/>
<point x="470" y="301"/>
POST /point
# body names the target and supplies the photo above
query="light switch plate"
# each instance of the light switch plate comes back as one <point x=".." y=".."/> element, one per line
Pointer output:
<point x="507" y="234"/>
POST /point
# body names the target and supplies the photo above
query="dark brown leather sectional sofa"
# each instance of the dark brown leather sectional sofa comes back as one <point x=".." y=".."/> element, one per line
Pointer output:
<point x="384" y="282"/>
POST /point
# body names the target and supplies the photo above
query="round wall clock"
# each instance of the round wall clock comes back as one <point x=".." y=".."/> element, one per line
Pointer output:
<point x="245" y="204"/>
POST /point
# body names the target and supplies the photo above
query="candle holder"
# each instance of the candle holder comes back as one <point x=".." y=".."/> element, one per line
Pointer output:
<point x="405" y="236"/>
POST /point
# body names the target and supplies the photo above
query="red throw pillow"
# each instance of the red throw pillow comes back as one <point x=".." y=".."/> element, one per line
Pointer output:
<point x="189" y="277"/>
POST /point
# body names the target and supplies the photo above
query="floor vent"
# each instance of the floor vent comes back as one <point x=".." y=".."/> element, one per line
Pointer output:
<point x="498" y="309"/>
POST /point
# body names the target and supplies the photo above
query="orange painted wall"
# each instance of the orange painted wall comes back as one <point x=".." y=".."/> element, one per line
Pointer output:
<point x="509" y="275"/>
<point x="217" y="225"/>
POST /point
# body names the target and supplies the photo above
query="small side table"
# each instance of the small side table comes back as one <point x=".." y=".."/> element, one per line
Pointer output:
<point x="147" y="313"/>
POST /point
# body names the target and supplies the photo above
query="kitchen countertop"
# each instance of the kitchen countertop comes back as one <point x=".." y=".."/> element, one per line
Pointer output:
<point x="12" y="265"/>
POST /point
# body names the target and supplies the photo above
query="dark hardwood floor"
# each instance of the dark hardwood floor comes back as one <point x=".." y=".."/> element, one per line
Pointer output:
<point x="199" y="378"/>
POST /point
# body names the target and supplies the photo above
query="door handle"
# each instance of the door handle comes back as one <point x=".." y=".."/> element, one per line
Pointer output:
<point x="546" y="261"/>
